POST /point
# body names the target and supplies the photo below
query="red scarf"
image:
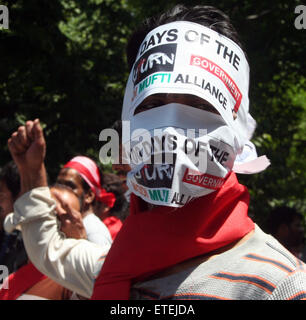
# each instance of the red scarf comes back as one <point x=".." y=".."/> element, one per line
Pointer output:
<point x="89" y="171"/>
<point x="154" y="240"/>
<point x="20" y="281"/>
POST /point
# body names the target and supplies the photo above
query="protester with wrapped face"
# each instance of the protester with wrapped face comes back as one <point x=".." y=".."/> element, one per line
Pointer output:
<point x="188" y="235"/>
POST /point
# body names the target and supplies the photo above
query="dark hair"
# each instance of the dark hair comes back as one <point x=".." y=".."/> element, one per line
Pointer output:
<point x="10" y="175"/>
<point x="112" y="183"/>
<point x="208" y="16"/>
<point x="281" y="215"/>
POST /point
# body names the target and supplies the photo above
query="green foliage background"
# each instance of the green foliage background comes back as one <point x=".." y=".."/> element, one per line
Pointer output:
<point x="64" y="62"/>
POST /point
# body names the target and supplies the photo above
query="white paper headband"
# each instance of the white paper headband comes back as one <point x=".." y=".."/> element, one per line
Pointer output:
<point x="188" y="58"/>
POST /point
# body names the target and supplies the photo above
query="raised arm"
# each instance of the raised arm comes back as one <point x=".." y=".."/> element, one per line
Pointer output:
<point x="73" y="263"/>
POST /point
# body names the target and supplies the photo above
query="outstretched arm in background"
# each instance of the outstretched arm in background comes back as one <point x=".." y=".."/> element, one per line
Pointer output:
<point x="73" y="263"/>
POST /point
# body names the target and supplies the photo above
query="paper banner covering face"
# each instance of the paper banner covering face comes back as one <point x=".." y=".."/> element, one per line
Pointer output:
<point x="187" y="58"/>
<point x="186" y="163"/>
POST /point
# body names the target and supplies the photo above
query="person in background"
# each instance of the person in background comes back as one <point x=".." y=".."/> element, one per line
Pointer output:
<point x="286" y="225"/>
<point x="84" y="177"/>
<point x="27" y="283"/>
<point x="12" y="252"/>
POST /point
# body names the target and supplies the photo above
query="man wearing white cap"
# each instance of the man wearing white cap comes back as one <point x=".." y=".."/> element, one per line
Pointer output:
<point x="188" y="235"/>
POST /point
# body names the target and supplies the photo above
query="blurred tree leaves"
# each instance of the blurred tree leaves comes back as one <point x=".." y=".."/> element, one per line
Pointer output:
<point x="64" y="62"/>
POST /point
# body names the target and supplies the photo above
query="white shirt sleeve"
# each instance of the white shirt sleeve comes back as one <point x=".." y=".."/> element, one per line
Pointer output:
<point x="73" y="263"/>
<point x="10" y="224"/>
<point x="96" y="230"/>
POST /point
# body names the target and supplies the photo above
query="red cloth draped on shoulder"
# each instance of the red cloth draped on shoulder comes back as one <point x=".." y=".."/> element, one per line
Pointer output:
<point x="20" y="281"/>
<point x="153" y="240"/>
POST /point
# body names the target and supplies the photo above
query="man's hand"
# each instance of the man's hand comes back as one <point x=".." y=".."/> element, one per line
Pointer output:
<point x="71" y="219"/>
<point x="28" y="149"/>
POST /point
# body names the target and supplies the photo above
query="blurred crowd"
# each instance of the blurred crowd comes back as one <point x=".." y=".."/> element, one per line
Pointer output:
<point x="90" y="204"/>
